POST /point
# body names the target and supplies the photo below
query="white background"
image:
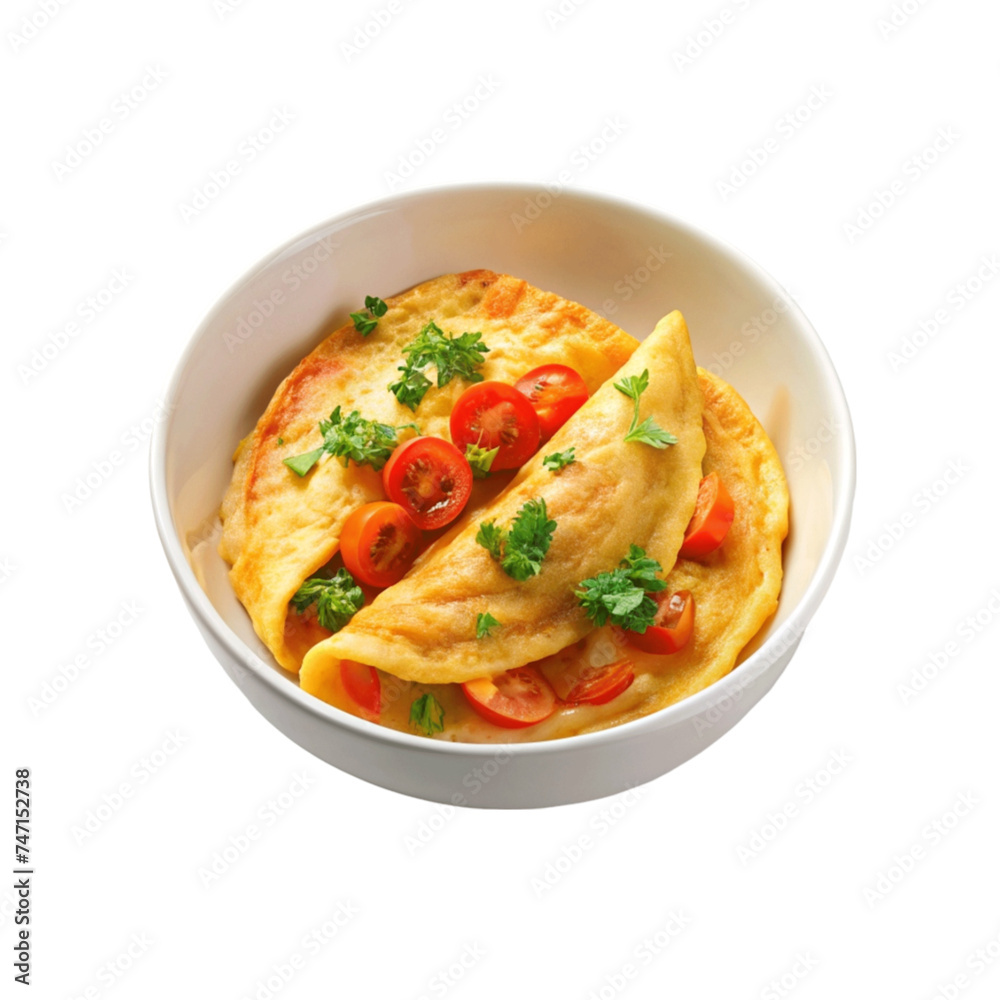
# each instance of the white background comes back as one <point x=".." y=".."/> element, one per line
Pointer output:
<point x="859" y="893"/>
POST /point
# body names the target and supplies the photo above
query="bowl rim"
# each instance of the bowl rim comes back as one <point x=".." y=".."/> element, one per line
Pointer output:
<point x="282" y="683"/>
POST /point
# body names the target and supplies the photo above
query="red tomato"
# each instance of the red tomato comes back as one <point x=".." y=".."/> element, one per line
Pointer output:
<point x="379" y="543"/>
<point x="672" y="626"/>
<point x="515" y="699"/>
<point x="494" y="414"/>
<point x="713" y="514"/>
<point x="593" y="685"/>
<point x="363" y="687"/>
<point x="556" y="392"/>
<point x="430" y="478"/>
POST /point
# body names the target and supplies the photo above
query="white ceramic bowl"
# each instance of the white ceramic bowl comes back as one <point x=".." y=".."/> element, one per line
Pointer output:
<point x="631" y="264"/>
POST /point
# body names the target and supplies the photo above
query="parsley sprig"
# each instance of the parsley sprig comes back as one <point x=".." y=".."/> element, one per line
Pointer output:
<point x="365" y="322"/>
<point x="427" y="714"/>
<point x="485" y="623"/>
<point x="520" y="550"/>
<point x="559" y="459"/>
<point x="337" y="598"/>
<point x="621" y="596"/>
<point x="648" y="432"/>
<point x="449" y="354"/>
<point x="366" y="442"/>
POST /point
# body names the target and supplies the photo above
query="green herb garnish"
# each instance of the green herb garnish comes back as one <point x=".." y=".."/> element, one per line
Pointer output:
<point x="621" y="596"/>
<point x="647" y="432"/>
<point x="336" y="598"/>
<point x="365" y="322"/>
<point x="559" y="459"/>
<point x="520" y="550"/>
<point x="427" y="714"/>
<point x="449" y="354"/>
<point x="485" y="623"/>
<point x="480" y="459"/>
<point x="366" y="442"/>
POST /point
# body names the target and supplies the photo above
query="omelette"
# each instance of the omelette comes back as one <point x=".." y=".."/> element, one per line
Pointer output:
<point x="458" y="632"/>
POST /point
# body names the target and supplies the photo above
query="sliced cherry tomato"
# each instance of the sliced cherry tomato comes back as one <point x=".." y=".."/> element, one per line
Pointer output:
<point x="515" y="699"/>
<point x="430" y="478"/>
<point x="713" y="514"/>
<point x="379" y="543"/>
<point x="581" y="682"/>
<point x="494" y="414"/>
<point x="556" y="392"/>
<point x="363" y="687"/>
<point x="672" y="626"/>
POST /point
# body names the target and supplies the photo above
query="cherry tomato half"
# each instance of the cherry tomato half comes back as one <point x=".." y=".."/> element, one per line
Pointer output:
<point x="672" y="626"/>
<point x="582" y="683"/>
<point x="556" y="392"/>
<point x="515" y="699"/>
<point x="363" y="687"/>
<point x="713" y="514"/>
<point x="494" y="414"/>
<point x="430" y="478"/>
<point x="379" y="543"/>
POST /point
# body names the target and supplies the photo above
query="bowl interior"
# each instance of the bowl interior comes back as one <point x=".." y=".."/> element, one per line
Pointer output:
<point x="631" y="265"/>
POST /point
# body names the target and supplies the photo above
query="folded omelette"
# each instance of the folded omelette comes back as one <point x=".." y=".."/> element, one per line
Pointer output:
<point x="279" y="529"/>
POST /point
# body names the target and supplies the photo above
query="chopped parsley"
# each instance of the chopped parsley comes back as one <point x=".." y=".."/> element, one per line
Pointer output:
<point x="427" y="714"/>
<point x="367" y="442"/>
<point x="336" y="598"/>
<point x="559" y="459"/>
<point x="365" y="322"/>
<point x="480" y="459"/>
<point x="647" y="432"/>
<point x="621" y="596"/>
<point x="520" y="550"/>
<point x="485" y="623"/>
<point x="450" y="355"/>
